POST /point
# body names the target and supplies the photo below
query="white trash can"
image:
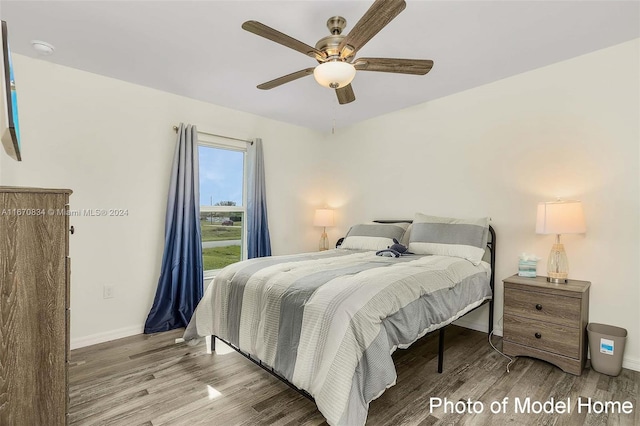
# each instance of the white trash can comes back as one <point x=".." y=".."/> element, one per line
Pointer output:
<point x="606" y="345"/>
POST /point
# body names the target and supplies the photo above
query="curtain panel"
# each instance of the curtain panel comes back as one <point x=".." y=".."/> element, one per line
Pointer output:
<point x="258" y="240"/>
<point x="180" y="286"/>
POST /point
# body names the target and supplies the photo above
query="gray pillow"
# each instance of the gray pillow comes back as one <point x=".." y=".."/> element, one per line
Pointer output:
<point x="373" y="236"/>
<point x="445" y="236"/>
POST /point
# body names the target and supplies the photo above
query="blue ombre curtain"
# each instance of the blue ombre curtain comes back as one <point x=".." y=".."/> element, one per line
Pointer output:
<point x="180" y="284"/>
<point x="258" y="241"/>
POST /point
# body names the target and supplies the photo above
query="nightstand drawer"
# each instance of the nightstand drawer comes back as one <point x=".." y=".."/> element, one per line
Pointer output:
<point x="541" y="335"/>
<point x="544" y="307"/>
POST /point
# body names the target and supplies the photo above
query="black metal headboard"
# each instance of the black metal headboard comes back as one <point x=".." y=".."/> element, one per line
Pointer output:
<point x="491" y="245"/>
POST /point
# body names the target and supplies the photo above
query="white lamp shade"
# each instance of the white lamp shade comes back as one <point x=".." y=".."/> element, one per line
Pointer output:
<point x="560" y="217"/>
<point x="334" y="74"/>
<point x="323" y="217"/>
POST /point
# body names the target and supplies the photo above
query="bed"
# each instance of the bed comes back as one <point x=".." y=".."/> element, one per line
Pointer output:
<point x="327" y="323"/>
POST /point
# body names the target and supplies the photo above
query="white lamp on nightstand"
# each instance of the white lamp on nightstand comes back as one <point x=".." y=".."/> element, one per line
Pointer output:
<point x="559" y="217"/>
<point x="324" y="218"/>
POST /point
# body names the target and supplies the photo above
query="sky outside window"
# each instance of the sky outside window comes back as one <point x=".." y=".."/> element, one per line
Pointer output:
<point x="221" y="173"/>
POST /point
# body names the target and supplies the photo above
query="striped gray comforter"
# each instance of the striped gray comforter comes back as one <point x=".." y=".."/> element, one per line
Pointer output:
<point x="322" y="320"/>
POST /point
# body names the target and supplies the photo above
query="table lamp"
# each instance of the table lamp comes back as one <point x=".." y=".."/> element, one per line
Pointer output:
<point x="324" y="218"/>
<point x="559" y="217"/>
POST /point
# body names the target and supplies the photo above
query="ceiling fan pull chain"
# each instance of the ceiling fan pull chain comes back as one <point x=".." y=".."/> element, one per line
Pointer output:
<point x="333" y="127"/>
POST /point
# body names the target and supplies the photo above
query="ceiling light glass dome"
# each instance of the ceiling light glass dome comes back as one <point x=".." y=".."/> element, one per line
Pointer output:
<point x="334" y="74"/>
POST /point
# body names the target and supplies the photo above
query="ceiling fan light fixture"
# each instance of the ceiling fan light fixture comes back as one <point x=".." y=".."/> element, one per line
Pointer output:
<point x="334" y="74"/>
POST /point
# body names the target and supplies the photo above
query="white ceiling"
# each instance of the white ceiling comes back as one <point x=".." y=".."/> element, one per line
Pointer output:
<point x="198" y="49"/>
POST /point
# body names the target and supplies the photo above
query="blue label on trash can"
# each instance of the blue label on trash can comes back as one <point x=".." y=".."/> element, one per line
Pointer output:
<point x="606" y="346"/>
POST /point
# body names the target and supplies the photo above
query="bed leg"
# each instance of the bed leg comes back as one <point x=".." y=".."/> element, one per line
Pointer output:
<point x="210" y="343"/>
<point x="440" y="349"/>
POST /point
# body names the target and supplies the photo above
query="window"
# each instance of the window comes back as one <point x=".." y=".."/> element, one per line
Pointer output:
<point x="222" y="206"/>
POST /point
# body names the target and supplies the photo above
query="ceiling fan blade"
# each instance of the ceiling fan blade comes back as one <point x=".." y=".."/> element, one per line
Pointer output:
<point x="283" y="39"/>
<point x="376" y="18"/>
<point x="285" y="79"/>
<point x="345" y="94"/>
<point x="401" y="66"/>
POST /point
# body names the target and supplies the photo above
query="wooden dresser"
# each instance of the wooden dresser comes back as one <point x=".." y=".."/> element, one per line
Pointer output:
<point x="34" y="306"/>
<point x="547" y="321"/>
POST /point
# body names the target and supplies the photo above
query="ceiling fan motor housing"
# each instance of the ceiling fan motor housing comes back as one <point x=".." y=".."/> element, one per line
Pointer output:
<point x="329" y="44"/>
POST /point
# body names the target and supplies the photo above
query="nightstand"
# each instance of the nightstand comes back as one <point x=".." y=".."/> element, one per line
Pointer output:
<point x="547" y="321"/>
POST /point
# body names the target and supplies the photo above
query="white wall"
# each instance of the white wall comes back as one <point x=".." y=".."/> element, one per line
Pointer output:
<point x="112" y="143"/>
<point x="569" y="130"/>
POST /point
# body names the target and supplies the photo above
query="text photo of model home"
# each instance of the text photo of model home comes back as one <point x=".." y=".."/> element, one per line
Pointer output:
<point x="206" y="148"/>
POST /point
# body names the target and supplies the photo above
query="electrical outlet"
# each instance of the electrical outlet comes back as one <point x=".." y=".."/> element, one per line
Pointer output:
<point x="107" y="291"/>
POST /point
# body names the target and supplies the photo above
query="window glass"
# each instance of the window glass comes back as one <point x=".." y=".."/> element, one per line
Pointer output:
<point x="221" y="206"/>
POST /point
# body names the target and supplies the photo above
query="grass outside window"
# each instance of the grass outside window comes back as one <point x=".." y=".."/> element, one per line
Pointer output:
<point x="218" y="232"/>
<point x="219" y="257"/>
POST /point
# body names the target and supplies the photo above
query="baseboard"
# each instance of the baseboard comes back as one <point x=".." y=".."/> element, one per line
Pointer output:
<point x="631" y="363"/>
<point x="94" y="339"/>
<point x="477" y="326"/>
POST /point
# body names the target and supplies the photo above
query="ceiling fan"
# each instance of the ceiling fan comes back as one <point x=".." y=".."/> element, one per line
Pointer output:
<point x="336" y="53"/>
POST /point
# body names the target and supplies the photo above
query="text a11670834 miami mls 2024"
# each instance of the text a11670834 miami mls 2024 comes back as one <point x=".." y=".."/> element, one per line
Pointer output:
<point x="35" y="211"/>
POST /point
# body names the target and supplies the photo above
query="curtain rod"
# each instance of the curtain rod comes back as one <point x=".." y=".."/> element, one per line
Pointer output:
<point x="175" y="129"/>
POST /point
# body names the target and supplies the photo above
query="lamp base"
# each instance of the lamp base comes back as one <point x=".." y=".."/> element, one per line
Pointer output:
<point x="324" y="242"/>
<point x="558" y="264"/>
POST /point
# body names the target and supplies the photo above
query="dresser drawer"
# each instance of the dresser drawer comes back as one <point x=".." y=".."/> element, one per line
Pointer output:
<point x="542" y="335"/>
<point x="543" y="307"/>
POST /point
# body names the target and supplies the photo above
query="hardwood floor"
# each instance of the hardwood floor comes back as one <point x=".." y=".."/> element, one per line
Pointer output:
<point x="150" y="380"/>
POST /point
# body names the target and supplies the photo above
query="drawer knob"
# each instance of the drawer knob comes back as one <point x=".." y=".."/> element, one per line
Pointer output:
<point x="72" y="229"/>
<point x="539" y="307"/>
<point x="538" y="335"/>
